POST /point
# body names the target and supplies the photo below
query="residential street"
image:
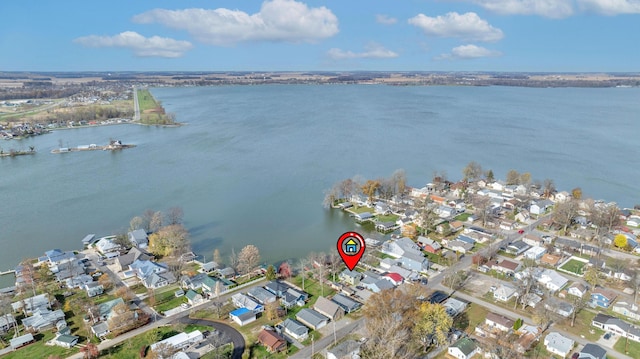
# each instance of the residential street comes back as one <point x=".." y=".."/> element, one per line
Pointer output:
<point x="327" y="340"/>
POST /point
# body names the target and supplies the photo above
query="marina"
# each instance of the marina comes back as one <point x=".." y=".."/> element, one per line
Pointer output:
<point x="113" y="145"/>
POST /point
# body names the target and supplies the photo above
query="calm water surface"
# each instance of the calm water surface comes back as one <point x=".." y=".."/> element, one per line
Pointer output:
<point x="253" y="162"/>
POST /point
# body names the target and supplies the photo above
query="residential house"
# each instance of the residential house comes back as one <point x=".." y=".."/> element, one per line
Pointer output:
<point x="311" y="318"/>
<point x="273" y="341"/>
<point x="226" y="272"/>
<point x="577" y="290"/>
<point x="295" y="329"/>
<point x="93" y="289"/>
<point x="429" y="245"/>
<point x="193" y="297"/>
<point x="445" y="211"/>
<point x="105" y="310"/>
<point x="499" y="322"/>
<point x="463" y="348"/>
<point x="57" y="258"/>
<point x="550" y="279"/>
<point x="350" y="277"/>
<point x="210" y="267"/>
<point x="531" y="299"/>
<point x="378" y="285"/>
<point x="106" y="245"/>
<point x="507" y="267"/>
<point x="539" y="207"/>
<point x="395" y="278"/>
<point x="517" y="248"/>
<point x="42" y="319"/>
<point x="559" y="307"/>
<point x="151" y="274"/>
<point x="21" y="341"/>
<point x="504" y="293"/>
<point x="550" y="260"/>
<point x="557" y="344"/>
<point x="454" y="306"/>
<point x="242" y="301"/>
<point x="523" y="216"/>
<point x="535" y="253"/>
<point x="277" y="287"/>
<point x="180" y="341"/>
<point x="262" y="295"/>
<point x="629" y="310"/>
<point x="124" y="261"/>
<point x="592" y="351"/>
<point x="243" y="316"/>
<point x="508" y="225"/>
<point x="364" y="216"/>
<point x="465" y="239"/>
<point x="78" y="281"/>
<point x="212" y="286"/>
<point x="101" y="330"/>
<point x="293" y="297"/>
<point x="456" y="226"/>
<point x="32" y="304"/>
<point x="348" y="349"/>
<point x="328" y="308"/>
<point x="7" y="322"/>
<point x="533" y="240"/>
<point x="138" y="238"/>
<point x="155" y="280"/>
<point x="601" y="297"/>
<point x="347" y="304"/>
<point x="459" y="246"/>
<point x="194" y="282"/>
<point x="615" y="325"/>
<point x="65" y="340"/>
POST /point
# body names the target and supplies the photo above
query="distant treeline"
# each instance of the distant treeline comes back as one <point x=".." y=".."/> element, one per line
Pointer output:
<point x="38" y="92"/>
<point x="88" y="113"/>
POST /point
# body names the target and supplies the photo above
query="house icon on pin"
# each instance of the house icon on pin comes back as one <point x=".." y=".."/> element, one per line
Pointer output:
<point x="351" y="246"/>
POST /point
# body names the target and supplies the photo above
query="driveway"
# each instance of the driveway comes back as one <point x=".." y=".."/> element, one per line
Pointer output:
<point x="234" y="336"/>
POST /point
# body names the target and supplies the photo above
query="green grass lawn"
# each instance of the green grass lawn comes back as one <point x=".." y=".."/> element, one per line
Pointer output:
<point x="40" y="350"/>
<point x="476" y="314"/>
<point x="574" y="266"/>
<point x="146" y="100"/>
<point x="131" y="348"/>
<point x="434" y="258"/>
<point x="629" y="347"/>
<point x="539" y="351"/>
<point x="166" y="299"/>
<point x="582" y="326"/>
<point x="361" y="210"/>
<point x="387" y="218"/>
<point x="463" y="217"/>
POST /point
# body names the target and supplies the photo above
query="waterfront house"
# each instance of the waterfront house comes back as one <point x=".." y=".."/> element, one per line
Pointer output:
<point x="56" y="258"/>
<point x="347" y="304"/>
<point x="311" y="318"/>
<point x="592" y="351"/>
<point x="350" y="277"/>
<point x="242" y="301"/>
<point x="382" y="208"/>
<point x="295" y="329"/>
<point x="124" y="261"/>
<point x="261" y="295"/>
<point x="243" y="316"/>
<point x="138" y="238"/>
<point x="498" y="322"/>
<point x="463" y="348"/>
<point x="226" y="272"/>
<point x="209" y="267"/>
<point x="601" y="297"/>
<point x="272" y="341"/>
<point x="42" y="319"/>
<point x="328" y="308"/>
<point x="504" y="293"/>
<point x="557" y="344"/>
<point x="364" y="216"/>
<point x="106" y="245"/>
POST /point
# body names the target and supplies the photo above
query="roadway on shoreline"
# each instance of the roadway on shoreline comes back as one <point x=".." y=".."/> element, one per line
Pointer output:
<point x="136" y="105"/>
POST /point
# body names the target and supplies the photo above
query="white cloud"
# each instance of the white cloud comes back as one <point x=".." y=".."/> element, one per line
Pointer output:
<point x="386" y="20"/>
<point x="469" y="52"/>
<point x="278" y="20"/>
<point x="372" y="51"/>
<point x="467" y="26"/>
<point x="154" y="46"/>
<point x="611" y="7"/>
<point x="555" y="9"/>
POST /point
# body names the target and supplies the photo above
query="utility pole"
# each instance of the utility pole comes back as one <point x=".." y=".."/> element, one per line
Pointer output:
<point x="335" y="339"/>
<point x="312" y="347"/>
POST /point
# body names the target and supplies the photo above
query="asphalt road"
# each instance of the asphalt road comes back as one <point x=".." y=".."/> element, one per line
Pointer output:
<point x="233" y="335"/>
<point x="328" y="340"/>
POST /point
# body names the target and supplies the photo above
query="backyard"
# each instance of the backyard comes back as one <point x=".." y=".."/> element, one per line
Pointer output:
<point x="574" y="266"/>
<point x="628" y="347"/>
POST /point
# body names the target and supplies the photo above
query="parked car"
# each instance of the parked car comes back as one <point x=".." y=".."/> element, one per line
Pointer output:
<point x="520" y="231"/>
<point x="607" y="336"/>
<point x="185" y="305"/>
<point x="575" y="355"/>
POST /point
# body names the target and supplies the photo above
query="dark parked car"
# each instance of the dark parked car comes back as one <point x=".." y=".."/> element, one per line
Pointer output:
<point x="575" y="355"/>
<point x="607" y="336"/>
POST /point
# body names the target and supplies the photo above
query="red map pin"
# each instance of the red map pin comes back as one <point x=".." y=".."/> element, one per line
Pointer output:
<point x="351" y="248"/>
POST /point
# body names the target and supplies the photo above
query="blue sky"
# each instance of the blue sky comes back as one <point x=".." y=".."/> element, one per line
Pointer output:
<point x="281" y="35"/>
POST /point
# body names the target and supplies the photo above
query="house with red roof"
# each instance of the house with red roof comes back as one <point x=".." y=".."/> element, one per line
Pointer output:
<point x="394" y="278"/>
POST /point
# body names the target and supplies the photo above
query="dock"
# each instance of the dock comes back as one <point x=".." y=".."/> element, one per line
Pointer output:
<point x="10" y="271"/>
<point x="113" y="145"/>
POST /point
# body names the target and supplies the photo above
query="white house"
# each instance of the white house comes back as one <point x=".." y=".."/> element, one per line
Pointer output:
<point x="181" y="341"/>
<point x="551" y="279"/>
<point x="557" y="344"/>
<point x="504" y="293"/>
<point x="498" y="322"/>
<point x="464" y="348"/>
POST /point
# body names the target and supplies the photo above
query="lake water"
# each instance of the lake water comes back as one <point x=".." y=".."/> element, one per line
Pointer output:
<point x="253" y="162"/>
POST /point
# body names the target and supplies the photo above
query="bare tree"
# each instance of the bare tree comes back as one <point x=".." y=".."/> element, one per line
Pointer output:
<point x="162" y="351"/>
<point x="472" y="172"/>
<point x="248" y="259"/>
<point x="399" y="179"/>
<point x="548" y="187"/>
<point x="284" y="270"/>
<point x="513" y="177"/>
<point x="175" y="215"/>
<point x="482" y="205"/>
<point x="233" y="259"/>
<point x="217" y="257"/>
<point x="136" y="223"/>
<point x="156" y="222"/>
<point x="564" y="213"/>
<point x="330" y="196"/>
